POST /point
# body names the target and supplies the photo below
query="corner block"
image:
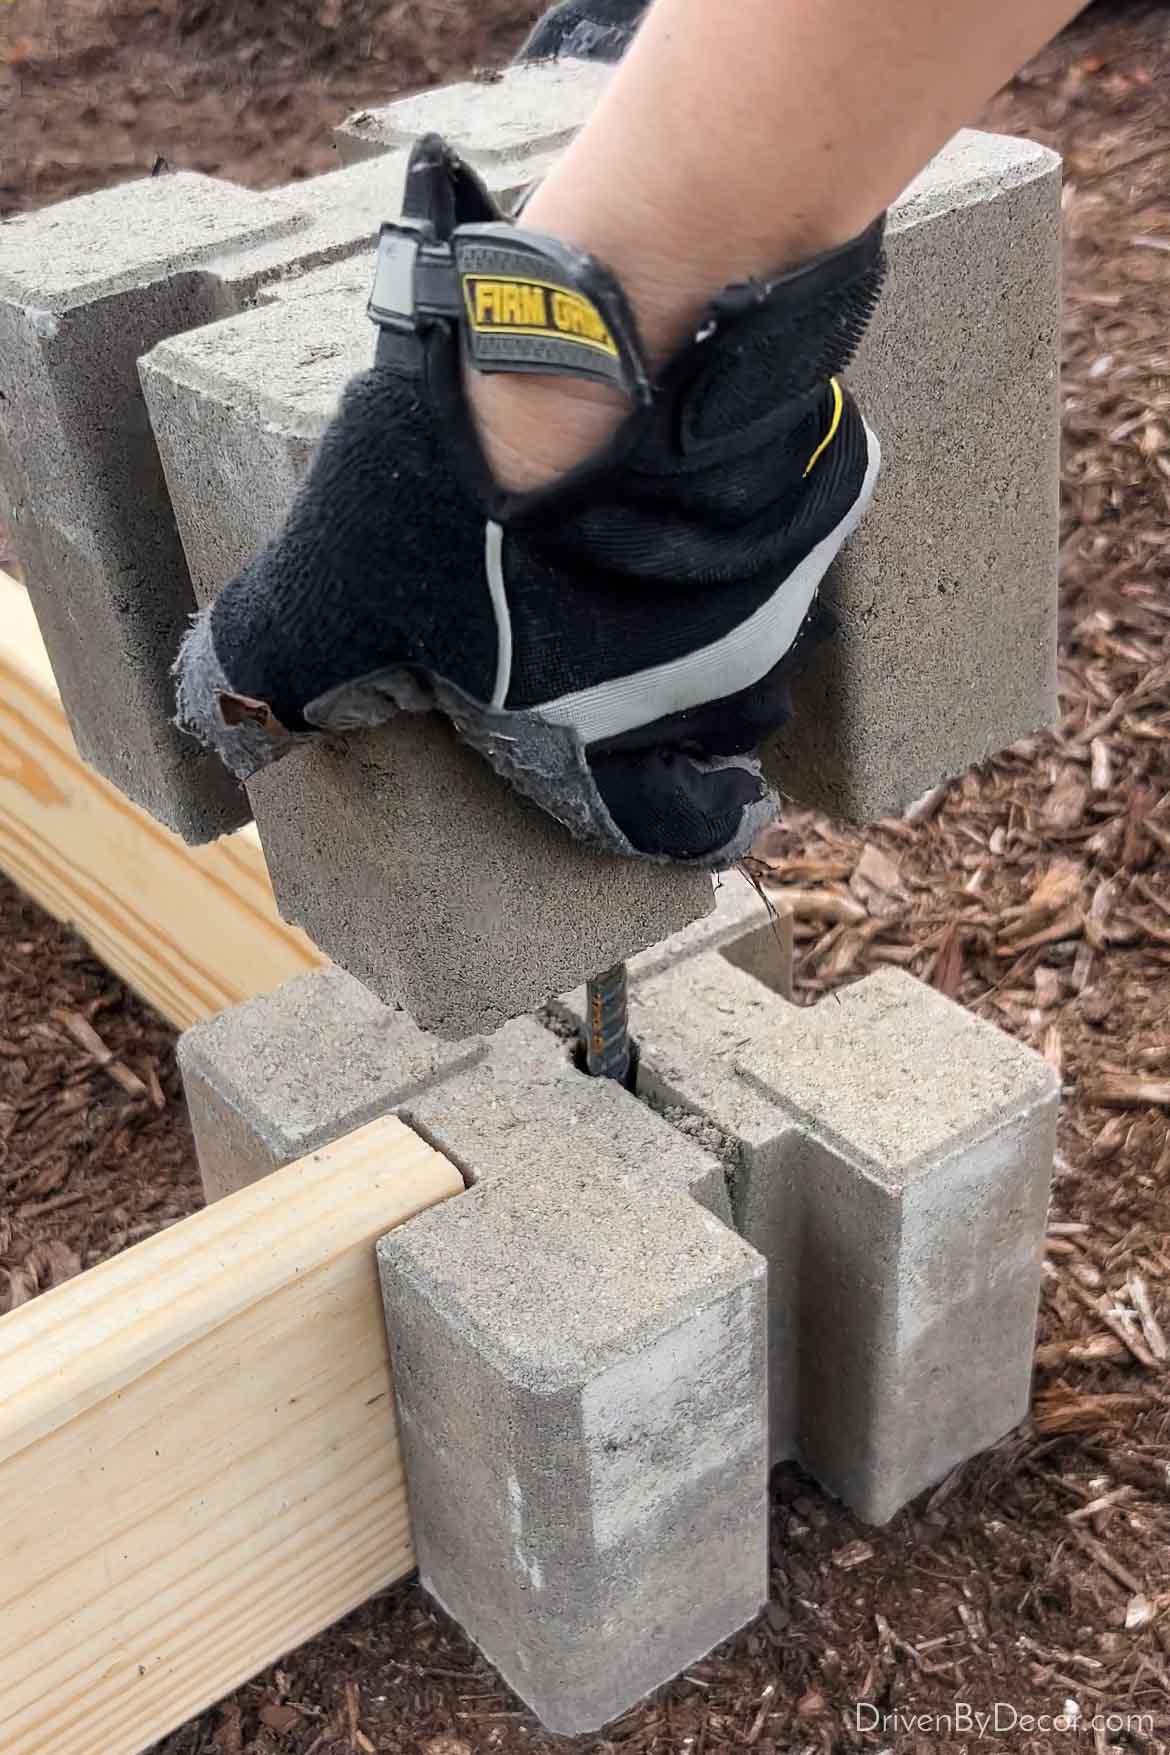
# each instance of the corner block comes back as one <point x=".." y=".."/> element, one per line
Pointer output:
<point x="579" y="1354"/>
<point x="894" y="1160"/>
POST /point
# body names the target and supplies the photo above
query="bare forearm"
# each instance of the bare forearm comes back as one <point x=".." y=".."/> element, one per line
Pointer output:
<point x="739" y="137"/>
<point x="742" y="135"/>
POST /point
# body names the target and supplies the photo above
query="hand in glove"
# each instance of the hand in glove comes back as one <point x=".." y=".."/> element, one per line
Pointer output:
<point x="616" y="644"/>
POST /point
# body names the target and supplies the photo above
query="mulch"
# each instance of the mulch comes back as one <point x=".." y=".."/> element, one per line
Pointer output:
<point x="96" y="91"/>
<point x="1034" y="890"/>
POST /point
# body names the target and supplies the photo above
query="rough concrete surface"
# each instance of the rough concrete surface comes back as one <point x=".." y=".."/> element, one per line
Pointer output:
<point x="895" y="1159"/>
<point x="400" y="852"/>
<point x="946" y="598"/>
<point x="86" y="288"/>
<point x="744" y="926"/>
<point x="275" y="1078"/>
<point x="582" y="1344"/>
<point x="579" y="1351"/>
<point x="579" y="1361"/>
<point x="523" y="111"/>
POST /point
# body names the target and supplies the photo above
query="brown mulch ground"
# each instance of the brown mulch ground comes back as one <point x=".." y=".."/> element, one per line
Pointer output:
<point x="1035" y="891"/>
<point x="93" y="91"/>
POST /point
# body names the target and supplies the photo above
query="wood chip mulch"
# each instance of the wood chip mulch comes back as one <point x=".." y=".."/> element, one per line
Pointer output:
<point x="1034" y="891"/>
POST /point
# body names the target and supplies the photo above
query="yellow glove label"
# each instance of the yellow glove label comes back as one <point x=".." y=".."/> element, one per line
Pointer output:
<point x="498" y="306"/>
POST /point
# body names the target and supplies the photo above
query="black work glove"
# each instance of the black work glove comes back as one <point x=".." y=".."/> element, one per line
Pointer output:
<point x="584" y="30"/>
<point x="616" y="644"/>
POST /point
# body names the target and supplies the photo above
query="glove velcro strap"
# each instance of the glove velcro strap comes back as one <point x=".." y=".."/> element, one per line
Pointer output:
<point x="523" y="302"/>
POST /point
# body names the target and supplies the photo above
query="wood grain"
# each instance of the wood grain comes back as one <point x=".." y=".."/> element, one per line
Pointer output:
<point x="192" y="929"/>
<point x="199" y="1463"/>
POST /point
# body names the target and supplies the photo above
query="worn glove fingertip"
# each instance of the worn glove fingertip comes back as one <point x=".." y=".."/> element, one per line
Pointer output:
<point x="684" y="809"/>
<point x="244" y="733"/>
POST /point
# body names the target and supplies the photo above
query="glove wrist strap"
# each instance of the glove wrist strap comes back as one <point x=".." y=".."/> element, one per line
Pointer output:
<point x="521" y="301"/>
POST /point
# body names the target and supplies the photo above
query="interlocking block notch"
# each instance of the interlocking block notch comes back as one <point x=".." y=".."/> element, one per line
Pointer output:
<point x="403" y="856"/>
<point x="893" y="1157"/>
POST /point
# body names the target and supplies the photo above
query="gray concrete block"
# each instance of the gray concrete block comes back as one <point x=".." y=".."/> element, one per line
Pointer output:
<point x="516" y="114"/>
<point x="745" y="927"/>
<point x="578" y="1355"/>
<point x="85" y="289"/>
<point x="892" y="1158"/>
<point x="946" y="598"/>
<point x="275" y="1078"/>
<point x="579" y="1351"/>
<point x="404" y="857"/>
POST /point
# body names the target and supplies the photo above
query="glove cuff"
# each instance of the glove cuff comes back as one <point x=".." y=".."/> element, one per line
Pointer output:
<point x="523" y="301"/>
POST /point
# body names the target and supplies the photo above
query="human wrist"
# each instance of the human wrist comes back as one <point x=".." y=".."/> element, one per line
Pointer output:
<point x="533" y="428"/>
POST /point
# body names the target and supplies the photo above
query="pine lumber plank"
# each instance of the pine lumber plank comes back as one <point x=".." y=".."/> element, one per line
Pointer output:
<point x="192" y="929"/>
<point x="199" y="1463"/>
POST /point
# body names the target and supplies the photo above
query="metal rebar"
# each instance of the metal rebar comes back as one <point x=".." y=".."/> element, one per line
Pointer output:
<point x="607" y="1024"/>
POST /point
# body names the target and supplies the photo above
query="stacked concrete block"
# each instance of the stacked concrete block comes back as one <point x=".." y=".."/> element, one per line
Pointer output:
<point x="959" y="377"/>
<point x="919" y="682"/>
<point x="579" y="1356"/>
<point x="892" y="1163"/>
<point x="522" y="113"/>
<point x="582" y="1345"/>
<point x="946" y="600"/>
<point x="271" y="1081"/>
<point x="86" y="288"/>
<point x="400" y="852"/>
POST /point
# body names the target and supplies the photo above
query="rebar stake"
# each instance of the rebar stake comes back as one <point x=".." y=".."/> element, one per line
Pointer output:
<point x="607" y="1025"/>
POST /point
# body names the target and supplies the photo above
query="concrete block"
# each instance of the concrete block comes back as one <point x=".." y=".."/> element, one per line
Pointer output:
<point x="274" y="1079"/>
<point x="579" y="1362"/>
<point x="749" y="930"/>
<point x="892" y="1158"/>
<point x="85" y="289"/>
<point x="520" y="113"/>
<point x="946" y="598"/>
<point x="404" y="857"/>
<point x="579" y="1353"/>
<point x="959" y="375"/>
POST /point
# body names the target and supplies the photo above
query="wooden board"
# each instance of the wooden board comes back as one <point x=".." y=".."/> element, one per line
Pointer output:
<point x="199" y="1463"/>
<point x="192" y="929"/>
